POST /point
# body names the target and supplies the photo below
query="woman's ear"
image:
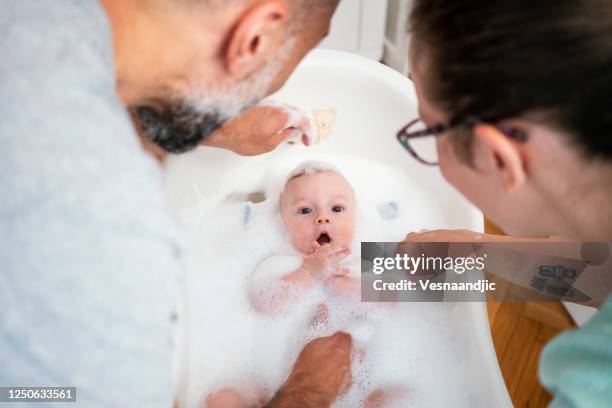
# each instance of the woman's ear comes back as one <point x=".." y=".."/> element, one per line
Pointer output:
<point x="495" y="152"/>
<point x="256" y="37"/>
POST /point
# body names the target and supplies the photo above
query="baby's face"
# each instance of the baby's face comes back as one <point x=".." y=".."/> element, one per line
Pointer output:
<point x="318" y="207"/>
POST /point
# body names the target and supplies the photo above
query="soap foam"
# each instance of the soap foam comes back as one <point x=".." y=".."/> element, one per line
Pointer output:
<point x="231" y="345"/>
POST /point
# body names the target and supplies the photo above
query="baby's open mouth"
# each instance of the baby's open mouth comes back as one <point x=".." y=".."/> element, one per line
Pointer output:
<point x="324" y="239"/>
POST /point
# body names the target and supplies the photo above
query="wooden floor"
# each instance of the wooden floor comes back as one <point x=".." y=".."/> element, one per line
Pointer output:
<point x="520" y="330"/>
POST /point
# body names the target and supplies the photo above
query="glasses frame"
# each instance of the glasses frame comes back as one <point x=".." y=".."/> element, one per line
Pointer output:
<point x="404" y="135"/>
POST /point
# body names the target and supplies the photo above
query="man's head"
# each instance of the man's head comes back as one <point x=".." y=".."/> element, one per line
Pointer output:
<point x="318" y="204"/>
<point x="187" y="66"/>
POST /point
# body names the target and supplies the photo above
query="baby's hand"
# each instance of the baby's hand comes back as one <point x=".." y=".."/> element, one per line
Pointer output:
<point x="323" y="261"/>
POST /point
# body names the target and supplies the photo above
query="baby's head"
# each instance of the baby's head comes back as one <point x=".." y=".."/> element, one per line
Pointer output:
<point x="318" y="204"/>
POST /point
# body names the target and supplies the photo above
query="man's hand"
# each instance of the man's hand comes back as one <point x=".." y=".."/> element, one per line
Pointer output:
<point x="262" y="128"/>
<point x="321" y="372"/>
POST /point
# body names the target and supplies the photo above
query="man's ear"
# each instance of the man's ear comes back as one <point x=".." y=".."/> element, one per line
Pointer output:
<point x="496" y="152"/>
<point x="256" y="36"/>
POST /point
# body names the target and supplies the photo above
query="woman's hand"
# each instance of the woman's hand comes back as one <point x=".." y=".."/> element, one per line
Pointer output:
<point x="462" y="235"/>
<point x="447" y="235"/>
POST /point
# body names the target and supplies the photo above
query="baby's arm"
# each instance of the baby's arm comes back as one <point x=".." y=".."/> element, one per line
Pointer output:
<point x="271" y="291"/>
<point x="268" y="293"/>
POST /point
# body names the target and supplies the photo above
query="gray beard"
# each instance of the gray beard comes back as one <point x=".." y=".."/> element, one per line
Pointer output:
<point x="187" y="122"/>
<point x="179" y="128"/>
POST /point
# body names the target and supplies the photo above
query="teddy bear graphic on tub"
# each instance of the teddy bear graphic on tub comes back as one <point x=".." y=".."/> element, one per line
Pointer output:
<point x="324" y="119"/>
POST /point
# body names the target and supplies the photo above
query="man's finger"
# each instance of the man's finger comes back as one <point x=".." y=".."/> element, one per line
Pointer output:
<point x="289" y="135"/>
<point x="343" y="341"/>
<point x="295" y="136"/>
<point x="275" y="119"/>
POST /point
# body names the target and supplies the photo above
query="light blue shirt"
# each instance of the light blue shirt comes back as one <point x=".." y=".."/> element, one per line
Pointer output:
<point x="577" y="365"/>
<point x="88" y="258"/>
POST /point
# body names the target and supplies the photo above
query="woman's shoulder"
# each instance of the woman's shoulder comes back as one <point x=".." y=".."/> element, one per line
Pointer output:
<point x="577" y="365"/>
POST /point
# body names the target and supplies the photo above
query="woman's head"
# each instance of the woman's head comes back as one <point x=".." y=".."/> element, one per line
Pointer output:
<point x="542" y="67"/>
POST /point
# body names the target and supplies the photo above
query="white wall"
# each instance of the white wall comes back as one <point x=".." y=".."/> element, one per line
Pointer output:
<point x="358" y="26"/>
<point x="396" y="37"/>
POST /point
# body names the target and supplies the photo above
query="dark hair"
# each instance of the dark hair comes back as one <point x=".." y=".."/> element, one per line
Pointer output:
<point x="548" y="59"/>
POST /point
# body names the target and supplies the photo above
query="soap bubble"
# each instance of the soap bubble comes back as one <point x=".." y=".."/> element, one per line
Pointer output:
<point x="231" y="344"/>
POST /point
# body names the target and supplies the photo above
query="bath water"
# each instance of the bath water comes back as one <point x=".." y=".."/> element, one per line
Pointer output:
<point x="416" y="347"/>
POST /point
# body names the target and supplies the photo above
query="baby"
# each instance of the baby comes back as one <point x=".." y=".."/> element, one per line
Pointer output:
<point x="318" y="210"/>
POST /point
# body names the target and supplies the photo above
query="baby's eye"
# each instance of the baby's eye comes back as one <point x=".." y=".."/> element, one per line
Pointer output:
<point x="337" y="208"/>
<point x="305" y="210"/>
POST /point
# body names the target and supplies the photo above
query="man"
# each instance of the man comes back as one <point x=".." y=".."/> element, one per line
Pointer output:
<point x="89" y="259"/>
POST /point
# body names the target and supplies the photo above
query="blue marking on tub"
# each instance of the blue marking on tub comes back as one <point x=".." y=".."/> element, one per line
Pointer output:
<point x="246" y="213"/>
<point x="388" y="210"/>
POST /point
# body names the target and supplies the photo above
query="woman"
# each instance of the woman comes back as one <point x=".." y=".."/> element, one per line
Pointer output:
<point x="518" y="95"/>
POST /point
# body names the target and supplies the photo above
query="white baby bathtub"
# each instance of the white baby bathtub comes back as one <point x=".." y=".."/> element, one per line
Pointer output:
<point x="371" y="102"/>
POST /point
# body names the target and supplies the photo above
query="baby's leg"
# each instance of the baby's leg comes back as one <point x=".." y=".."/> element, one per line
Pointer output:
<point x="225" y="398"/>
<point x="320" y="318"/>
<point x="229" y="397"/>
<point x="389" y="394"/>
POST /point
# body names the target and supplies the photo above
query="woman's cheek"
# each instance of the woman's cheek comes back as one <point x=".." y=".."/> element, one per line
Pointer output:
<point x="450" y="167"/>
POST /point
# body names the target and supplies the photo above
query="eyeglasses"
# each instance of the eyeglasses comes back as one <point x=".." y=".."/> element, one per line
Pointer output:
<point x="413" y="136"/>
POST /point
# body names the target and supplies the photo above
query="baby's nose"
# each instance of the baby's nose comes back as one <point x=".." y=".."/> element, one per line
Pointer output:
<point x="323" y="220"/>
